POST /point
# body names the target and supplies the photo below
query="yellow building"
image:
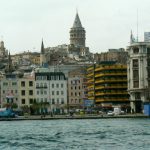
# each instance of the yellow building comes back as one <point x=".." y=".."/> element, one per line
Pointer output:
<point x="107" y="83"/>
<point x="26" y="86"/>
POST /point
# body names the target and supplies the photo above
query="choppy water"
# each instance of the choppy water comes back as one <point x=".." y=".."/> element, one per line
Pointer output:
<point x="100" y="134"/>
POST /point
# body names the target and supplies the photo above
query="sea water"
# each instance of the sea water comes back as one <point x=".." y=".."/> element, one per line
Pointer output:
<point x="86" y="134"/>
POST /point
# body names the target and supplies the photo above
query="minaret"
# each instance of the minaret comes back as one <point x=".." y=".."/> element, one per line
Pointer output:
<point x="42" y="55"/>
<point x="77" y="33"/>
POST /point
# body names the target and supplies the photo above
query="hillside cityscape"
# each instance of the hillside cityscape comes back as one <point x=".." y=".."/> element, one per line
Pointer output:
<point x="69" y="77"/>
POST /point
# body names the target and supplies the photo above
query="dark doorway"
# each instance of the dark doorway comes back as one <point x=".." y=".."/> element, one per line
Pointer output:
<point x="138" y="106"/>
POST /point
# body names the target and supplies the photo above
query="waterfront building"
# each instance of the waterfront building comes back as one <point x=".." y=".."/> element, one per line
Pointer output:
<point x="138" y="74"/>
<point x="51" y="89"/>
<point x="26" y="91"/>
<point x="77" y="88"/>
<point x="107" y="84"/>
<point x="9" y="91"/>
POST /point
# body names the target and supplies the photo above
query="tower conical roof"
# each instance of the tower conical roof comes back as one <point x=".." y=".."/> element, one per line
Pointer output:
<point x="77" y="22"/>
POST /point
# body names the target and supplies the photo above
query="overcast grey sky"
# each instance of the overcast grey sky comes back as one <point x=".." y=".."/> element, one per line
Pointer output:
<point x="23" y="23"/>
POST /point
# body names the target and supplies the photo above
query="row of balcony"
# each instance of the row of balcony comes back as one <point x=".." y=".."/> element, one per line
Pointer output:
<point x="111" y="87"/>
<point x="111" y="74"/>
<point x="110" y="67"/>
<point x="111" y="93"/>
<point x="110" y="80"/>
<point x="110" y="99"/>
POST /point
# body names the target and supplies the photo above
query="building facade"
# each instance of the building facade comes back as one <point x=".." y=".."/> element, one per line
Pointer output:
<point x="26" y="87"/>
<point x="9" y="91"/>
<point x="138" y="74"/>
<point x="107" y="84"/>
<point x="77" y="88"/>
<point x="51" y="88"/>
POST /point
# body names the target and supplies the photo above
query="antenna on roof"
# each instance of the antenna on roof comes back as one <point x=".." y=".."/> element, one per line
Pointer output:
<point x="137" y="25"/>
<point x="76" y="10"/>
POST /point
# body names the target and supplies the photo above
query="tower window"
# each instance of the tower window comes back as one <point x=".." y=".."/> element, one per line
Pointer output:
<point x="136" y="50"/>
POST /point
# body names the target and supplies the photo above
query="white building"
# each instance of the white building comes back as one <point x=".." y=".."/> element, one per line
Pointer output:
<point x="138" y="74"/>
<point x="51" y="88"/>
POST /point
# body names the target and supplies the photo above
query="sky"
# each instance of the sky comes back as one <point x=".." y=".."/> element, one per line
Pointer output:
<point x="108" y="23"/>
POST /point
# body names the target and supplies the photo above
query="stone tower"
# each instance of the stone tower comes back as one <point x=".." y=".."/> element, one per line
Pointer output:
<point x="42" y="55"/>
<point x="77" y="33"/>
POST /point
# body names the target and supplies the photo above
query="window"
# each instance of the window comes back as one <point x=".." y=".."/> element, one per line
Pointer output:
<point x="3" y="92"/>
<point x="135" y="50"/>
<point x="45" y="85"/>
<point x="57" y="92"/>
<point x="45" y="92"/>
<point x="135" y="63"/>
<point x="53" y="101"/>
<point x="71" y="87"/>
<point x="135" y="84"/>
<point x="30" y="83"/>
<point x="71" y="94"/>
<point x="5" y="84"/>
<point x="41" y="84"/>
<point x="135" y="74"/>
<point x="45" y="99"/>
<point x="37" y="92"/>
<point x="23" y="83"/>
<point x="62" y="92"/>
<point x="14" y="83"/>
<point x="75" y="87"/>
<point x="12" y="91"/>
<point x="75" y="94"/>
<point x="37" y="84"/>
<point x="31" y="101"/>
<point x="52" y="85"/>
<point x="53" y="92"/>
<point x="62" y="101"/>
<point x="79" y="87"/>
<point x="23" y="101"/>
<point x="62" y="85"/>
<point x="57" y="85"/>
<point x="57" y="100"/>
<point x="41" y="92"/>
<point x="30" y="92"/>
<point x="75" y="100"/>
<point x="23" y="93"/>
